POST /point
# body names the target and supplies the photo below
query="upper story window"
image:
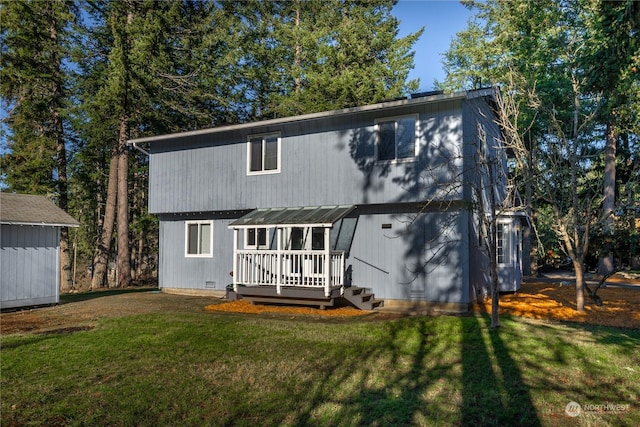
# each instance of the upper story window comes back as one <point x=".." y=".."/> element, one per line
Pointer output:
<point x="263" y="154"/>
<point x="198" y="239"/>
<point x="397" y="137"/>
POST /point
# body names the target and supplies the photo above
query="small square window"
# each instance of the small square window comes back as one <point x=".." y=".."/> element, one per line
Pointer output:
<point x="199" y="239"/>
<point x="263" y="154"/>
<point x="396" y="138"/>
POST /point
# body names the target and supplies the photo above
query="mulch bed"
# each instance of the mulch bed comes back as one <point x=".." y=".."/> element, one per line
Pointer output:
<point x="537" y="300"/>
<point x="244" y="306"/>
<point x="548" y="300"/>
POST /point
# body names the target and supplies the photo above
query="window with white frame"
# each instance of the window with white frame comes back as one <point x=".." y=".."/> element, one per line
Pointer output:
<point x="198" y="239"/>
<point x="502" y="244"/>
<point x="396" y="138"/>
<point x="256" y="238"/>
<point x="263" y="154"/>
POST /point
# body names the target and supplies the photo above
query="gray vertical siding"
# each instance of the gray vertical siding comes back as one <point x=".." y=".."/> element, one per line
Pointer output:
<point x="28" y="265"/>
<point x="326" y="162"/>
<point x="421" y="258"/>
<point x="426" y="260"/>
<point x="180" y="272"/>
<point x="331" y="161"/>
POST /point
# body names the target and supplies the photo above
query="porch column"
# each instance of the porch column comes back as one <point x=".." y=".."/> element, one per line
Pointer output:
<point x="279" y="260"/>
<point x="235" y="260"/>
<point x="327" y="262"/>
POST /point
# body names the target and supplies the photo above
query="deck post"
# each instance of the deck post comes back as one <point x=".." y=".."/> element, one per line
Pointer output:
<point x="327" y="262"/>
<point x="279" y="260"/>
<point x="235" y="260"/>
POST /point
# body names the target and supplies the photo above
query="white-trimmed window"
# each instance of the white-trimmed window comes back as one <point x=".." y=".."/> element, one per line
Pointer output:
<point x="263" y="154"/>
<point x="396" y="138"/>
<point x="256" y="238"/>
<point x="198" y="241"/>
<point x="502" y="244"/>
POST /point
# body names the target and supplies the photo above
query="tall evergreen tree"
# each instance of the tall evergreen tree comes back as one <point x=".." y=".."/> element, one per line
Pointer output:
<point x="307" y="56"/>
<point x="612" y="50"/>
<point x="33" y="84"/>
<point x="154" y="68"/>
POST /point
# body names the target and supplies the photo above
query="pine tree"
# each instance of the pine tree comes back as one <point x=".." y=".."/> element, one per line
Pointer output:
<point x="154" y="69"/>
<point x="33" y="84"/>
<point x="306" y="56"/>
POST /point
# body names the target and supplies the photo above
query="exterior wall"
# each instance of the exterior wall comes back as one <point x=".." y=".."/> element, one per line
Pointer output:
<point x="176" y="271"/>
<point x="420" y="258"/>
<point x="480" y="269"/>
<point x="328" y="161"/>
<point x="478" y="114"/>
<point x="424" y="261"/>
<point x="29" y="265"/>
<point x="332" y="161"/>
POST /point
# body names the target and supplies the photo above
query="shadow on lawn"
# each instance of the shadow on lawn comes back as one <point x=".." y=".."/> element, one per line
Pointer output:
<point x="505" y="393"/>
<point x="85" y="296"/>
<point x="422" y="381"/>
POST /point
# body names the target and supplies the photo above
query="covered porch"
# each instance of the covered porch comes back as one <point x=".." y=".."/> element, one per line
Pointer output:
<point x="289" y="252"/>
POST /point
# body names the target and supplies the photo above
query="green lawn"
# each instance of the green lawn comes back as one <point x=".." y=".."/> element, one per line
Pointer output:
<point x="219" y="369"/>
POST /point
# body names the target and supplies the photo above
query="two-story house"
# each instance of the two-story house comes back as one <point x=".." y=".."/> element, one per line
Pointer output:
<point x="312" y="207"/>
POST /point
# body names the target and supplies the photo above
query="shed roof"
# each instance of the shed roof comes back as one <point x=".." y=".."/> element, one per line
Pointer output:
<point x="26" y="209"/>
<point x="318" y="216"/>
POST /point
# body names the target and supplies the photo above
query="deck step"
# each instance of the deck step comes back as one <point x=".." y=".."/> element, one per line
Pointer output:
<point x="362" y="298"/>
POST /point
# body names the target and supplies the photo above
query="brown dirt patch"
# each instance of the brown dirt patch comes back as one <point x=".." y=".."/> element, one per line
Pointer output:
<point x="536" y="299"/>
<point x="244" y="306"/>
<point x="548" y="300"/>
<point x="83" y="310"/>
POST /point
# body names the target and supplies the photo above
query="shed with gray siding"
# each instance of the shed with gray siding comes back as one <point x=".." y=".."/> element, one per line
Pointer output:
<point x="30" y="250"/>
<point x="412" y="237"/>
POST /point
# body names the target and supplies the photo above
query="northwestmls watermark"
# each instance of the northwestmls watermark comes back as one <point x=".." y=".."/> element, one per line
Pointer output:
<point x="574" y="409"/>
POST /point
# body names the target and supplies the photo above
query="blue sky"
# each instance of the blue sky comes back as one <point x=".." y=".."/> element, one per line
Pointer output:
<point x="442" y="19"/>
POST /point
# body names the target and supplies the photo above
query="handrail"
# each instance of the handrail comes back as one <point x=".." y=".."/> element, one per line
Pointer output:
<point x="304" y="268"/>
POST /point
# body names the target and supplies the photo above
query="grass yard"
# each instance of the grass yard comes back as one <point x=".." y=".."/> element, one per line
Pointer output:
<point x="231" y="369"/>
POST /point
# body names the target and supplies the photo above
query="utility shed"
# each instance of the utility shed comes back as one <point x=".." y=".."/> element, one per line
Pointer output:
<point x="30" y="250"/>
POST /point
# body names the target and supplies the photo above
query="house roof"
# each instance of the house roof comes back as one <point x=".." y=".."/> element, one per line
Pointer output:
<point x="25" y="209"/>
<point x="423" y="98"/>
<point x="310" y="216"/>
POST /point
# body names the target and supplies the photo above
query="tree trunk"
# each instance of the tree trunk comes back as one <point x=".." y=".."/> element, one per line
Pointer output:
<point x="66" y="279"/>
<point x="578" y="266"/>
<point x="493" y="250"/>
<point x="124" y="251"/>
<point x="57" y="130"/>
<point x="103" y="246"/>
<point x="605" y="263"/>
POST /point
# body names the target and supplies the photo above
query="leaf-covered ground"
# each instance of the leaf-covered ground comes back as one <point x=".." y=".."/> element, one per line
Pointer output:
<point x="549" y="300"/>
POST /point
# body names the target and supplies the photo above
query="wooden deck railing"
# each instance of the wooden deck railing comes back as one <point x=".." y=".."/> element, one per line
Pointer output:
<point x="305" y="268"/>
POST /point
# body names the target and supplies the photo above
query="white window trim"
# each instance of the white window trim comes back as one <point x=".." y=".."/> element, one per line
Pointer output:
<point x="264" y="135"/>
<point x="417" y="144"/>
<point x="257" y="245"/>
<point x="186" y="239"/>
<point x="504" y="243"/>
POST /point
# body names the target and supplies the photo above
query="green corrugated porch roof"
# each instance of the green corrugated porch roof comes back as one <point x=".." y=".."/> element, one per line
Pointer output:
<point x="309" y="216"/>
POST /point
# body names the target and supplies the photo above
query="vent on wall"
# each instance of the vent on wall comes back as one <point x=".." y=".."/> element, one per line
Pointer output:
<point x="210" y="285"/>
<point x="386" y="226"/>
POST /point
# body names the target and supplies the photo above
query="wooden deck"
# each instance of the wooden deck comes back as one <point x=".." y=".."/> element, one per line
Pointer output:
<point x="288" y="295"/>
<point x="293" y="295"/>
